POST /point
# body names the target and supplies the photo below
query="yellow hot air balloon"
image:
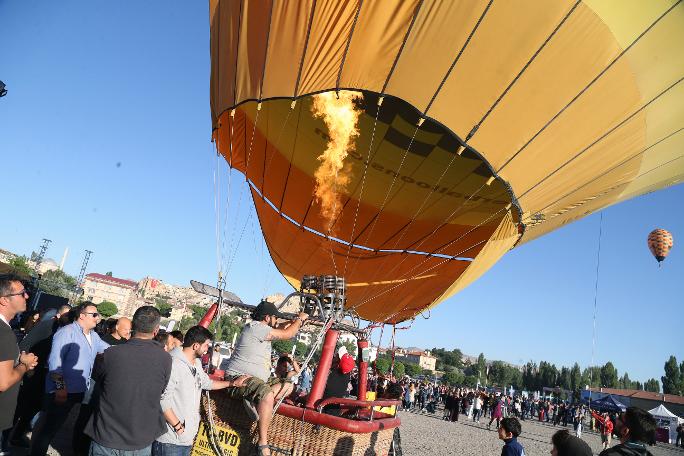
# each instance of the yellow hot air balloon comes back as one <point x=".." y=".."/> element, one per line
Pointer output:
<point x="469" y="127"/>
<point x="660" y="243"/>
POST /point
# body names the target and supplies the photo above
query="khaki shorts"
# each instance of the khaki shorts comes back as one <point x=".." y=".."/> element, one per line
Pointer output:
<point x="254" y="390"/>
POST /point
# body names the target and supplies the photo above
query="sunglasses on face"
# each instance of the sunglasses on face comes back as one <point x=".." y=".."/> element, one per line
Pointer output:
<point x="18" y="293"/>
<point x="94" y="314"/>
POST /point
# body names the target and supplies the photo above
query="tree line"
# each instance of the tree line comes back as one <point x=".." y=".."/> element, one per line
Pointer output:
<point x="533" y="376"/>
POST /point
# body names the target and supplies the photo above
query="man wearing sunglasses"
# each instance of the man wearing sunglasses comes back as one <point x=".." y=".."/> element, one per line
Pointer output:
<point x="74" y="348"/>
<point x="13" y="364"/>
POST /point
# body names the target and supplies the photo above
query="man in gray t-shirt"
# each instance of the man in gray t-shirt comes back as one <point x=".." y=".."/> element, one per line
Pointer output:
<point x="252" y="356"/>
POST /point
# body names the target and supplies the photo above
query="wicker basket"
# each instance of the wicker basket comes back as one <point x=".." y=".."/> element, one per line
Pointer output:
<point x="293" y="436"/>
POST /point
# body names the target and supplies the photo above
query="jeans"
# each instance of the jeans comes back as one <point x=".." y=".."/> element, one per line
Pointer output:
<point x="51" y="420"/>
<point x="169" y="449"/>
<point x="98" y="450"/>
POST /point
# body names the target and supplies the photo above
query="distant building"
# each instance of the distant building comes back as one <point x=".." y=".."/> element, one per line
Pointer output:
<point x="177" y="313"/>
<point x="99" y="287"/>
<point x="423" y="358"/>
<point x="6" y="256"/>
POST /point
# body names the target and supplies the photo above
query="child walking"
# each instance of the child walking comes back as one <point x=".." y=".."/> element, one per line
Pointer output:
<point x="509" y="430"/>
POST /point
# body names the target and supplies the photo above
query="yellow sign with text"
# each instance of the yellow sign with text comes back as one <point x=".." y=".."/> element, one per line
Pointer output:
<point x="227" y="439"/>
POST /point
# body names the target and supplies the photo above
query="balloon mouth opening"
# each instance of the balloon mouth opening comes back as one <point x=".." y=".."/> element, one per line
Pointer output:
<point x="396" y="144"/>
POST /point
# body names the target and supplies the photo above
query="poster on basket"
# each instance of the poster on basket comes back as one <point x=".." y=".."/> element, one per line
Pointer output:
<point x="227" y="440"/>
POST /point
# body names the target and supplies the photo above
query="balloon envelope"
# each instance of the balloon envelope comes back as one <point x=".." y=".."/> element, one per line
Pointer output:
<point x="535" y="114"/>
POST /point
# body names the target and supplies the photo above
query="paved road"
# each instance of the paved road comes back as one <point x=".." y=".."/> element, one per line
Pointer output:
<point x="424" y="434"/>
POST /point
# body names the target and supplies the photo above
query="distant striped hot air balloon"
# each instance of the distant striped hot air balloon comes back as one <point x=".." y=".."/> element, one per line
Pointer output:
<point x="660" y="243"/>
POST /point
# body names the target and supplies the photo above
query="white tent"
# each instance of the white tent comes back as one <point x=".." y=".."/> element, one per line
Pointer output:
<point x="667" y="419"/>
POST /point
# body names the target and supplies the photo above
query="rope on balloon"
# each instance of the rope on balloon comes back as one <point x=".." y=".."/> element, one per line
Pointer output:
<point x="364" y="301"/>
<point x="559" y="168"/>
<point x="417" y="266"/>
<point x="577" y="96"/>
<point x="591" y="83"/>
<point x="229" y="192"/>
<point x="524" y="68"/>
<point x="624" y="121"/>
<point x="458" y="56"/>
<point x="603" y="174"/>
<point x="277" y="141"/>
<point x="389" y="190"/>
<point x="363" y="183"/>
<point x="217" y="214"/>
<point x="593" y="334"/>
<point x="234" y="246"/>
<point x="413" y="218"/>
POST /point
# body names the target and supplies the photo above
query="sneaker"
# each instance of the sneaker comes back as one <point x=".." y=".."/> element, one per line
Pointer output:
<point x="250" y="409"/>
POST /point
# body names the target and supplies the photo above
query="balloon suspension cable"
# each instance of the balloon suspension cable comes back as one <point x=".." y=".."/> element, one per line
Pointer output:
<point x="213" y="438"/>
<point x="280" y="134"/>
<point x="363" y="185"/>
<point x="392" y="344"/>
<point x="235" y="246"/>
<point x="251" y="141"/>
<point x="217" y="213"/>
<point x="375" y="361"/>
<point x="417" y="213"/>
<point x="230" y="174"/>
<point x="389" y="190"/>
<point x="593" y="335"/>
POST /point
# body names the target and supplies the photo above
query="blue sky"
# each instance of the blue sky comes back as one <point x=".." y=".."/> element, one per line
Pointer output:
<point x="104" y="137"/>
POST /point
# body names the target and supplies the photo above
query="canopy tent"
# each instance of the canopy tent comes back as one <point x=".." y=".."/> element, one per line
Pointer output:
<point x="668" y="420"/>
<point x="608" y="404"/>
<point x="483" y="125"/>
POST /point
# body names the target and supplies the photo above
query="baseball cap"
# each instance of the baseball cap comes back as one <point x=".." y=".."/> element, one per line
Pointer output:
<point x="346" y="363"/>
<point x="264" y="309"/>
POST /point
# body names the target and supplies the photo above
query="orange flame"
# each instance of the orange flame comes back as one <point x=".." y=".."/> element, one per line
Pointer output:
<point x="341" y="117"/>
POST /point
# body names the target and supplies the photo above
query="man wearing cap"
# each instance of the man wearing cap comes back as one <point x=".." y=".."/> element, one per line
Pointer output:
<point x="252" y="356"/>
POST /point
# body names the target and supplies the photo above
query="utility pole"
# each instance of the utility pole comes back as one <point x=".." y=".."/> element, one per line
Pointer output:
<point x="81" y="275"/>
<point x="37" y="261"/>
<point x="39" y="258"/>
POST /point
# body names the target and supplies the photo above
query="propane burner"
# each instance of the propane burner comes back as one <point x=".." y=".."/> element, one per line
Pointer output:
<point x="328" y="290"/>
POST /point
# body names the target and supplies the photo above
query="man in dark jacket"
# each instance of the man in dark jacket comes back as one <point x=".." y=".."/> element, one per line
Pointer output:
<point x="13" y="363"/>
<point x="132" y="378"/>
<point x="636" y="429"/>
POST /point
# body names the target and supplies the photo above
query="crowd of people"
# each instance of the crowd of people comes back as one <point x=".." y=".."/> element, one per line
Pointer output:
<point x="138" y="388"/>
<point x="634" y="428"/>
